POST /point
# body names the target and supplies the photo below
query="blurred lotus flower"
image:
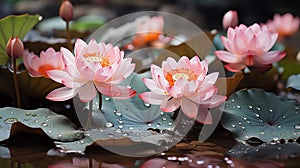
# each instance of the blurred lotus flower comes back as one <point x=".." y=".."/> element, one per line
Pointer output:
<point x="249" y="47"/>
<point x="95" y="65"/>
<point x="284" y="25"/>
<point x="66" y="11"/>
<point x="230" y="19"/>
<point x="149" y="31"/>
<point x="183" y="83"/>
<point x="15" y="48"/>
<point x="48" y="60"/>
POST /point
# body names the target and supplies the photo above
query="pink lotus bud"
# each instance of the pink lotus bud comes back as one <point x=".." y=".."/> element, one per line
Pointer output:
<point x="66" y="11"/>
<point x="230" y="19"/>
<point x="14" y="48"/>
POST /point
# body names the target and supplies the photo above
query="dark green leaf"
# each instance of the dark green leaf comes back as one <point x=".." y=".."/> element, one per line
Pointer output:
<point x="256" y="113"/>
<point x="58" y="127"/>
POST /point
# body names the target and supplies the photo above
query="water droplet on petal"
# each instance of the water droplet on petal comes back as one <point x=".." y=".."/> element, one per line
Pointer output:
<point x="10" y="120"/>
<point x="109" y="124"/>
<point x="44" y="124"/>
<point x="107" y="98"/>
<point x="128" y="86"/>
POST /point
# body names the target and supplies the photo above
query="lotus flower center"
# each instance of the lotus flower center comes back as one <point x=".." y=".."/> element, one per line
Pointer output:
<point x="176" y="74"/>
<point x="97" y="57"/>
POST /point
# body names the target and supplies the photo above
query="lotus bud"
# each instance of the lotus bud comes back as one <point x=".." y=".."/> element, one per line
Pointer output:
<point x="66" y="11"/>
<point x="230" y="19"/>
<point x="14" y="48"/>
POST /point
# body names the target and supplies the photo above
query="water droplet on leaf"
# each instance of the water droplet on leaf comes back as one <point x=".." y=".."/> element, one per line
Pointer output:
<point x="109" y="124"/>
<point x="44" y="124"/>
<point x="10" y="120"/>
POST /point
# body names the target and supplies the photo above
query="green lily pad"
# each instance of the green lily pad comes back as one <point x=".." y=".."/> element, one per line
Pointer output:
<point x="294" y="82"/>
<point x="265" y="151"/>
<point x="129" y="126"/>
<point x="12" y="26"/>
<point x="263" y="115"/>
<point x="55" y="126"/>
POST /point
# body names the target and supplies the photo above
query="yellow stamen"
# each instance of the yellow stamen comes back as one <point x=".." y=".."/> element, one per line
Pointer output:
<point x="176" y="74"/>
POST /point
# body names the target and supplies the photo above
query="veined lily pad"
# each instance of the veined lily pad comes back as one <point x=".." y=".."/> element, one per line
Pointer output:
<point x="130" y="127"/>
<point x="56" y="126"/>
<point x="294" y="82"/>
<point x="12" y="26"/>
<point x="256" y="113"/>
<point x="265" y="151"/>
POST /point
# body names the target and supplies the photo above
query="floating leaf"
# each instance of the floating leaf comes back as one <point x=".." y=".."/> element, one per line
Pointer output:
<point x="56" y="126"/>
<point x="129" y="123"/>
<point x="12" y="26"/>
<point x="256" y="113"/>
<point x="265" y="151"/>
<point x="294" y="82"/>
<point x="30" y="87"/>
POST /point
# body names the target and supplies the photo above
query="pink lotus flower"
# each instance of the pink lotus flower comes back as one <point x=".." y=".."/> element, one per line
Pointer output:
<point x="149" y="31"/>
<point x="230" y="19"/>
<point x="96" y="66"/>
<point x="183" y="83"/>
<point x="249" y="47"/>
<point x="284" y="25"/>
<point x="48" y="60"/>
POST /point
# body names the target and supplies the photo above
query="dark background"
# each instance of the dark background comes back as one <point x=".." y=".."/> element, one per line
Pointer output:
<point x="207" y="14"/>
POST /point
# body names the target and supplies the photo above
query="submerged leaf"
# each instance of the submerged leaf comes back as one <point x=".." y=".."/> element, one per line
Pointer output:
<point x="265" y="151"/>
<point x="294" y="82"/>
<point x="55" y="126"/>
<point x="12" y="26"/>
<point x="256" y="113"/>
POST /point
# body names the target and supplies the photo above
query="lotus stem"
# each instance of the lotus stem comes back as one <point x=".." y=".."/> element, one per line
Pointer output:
<point x="100" y="101"/>
<point x="68" y="36"/>
<point x="89" y="116"/>
<point x="16" y="83"/>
